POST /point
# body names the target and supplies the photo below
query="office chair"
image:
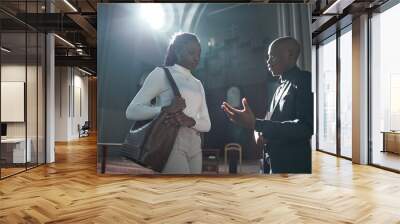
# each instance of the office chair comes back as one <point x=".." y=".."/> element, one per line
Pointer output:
<point x="84" y="130"/>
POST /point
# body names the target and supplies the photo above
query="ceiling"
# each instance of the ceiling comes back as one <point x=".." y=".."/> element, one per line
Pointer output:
<point x="76" y="22"/>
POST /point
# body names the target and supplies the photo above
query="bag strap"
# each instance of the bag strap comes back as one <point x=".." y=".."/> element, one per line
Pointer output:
<point x="172" y="82"/>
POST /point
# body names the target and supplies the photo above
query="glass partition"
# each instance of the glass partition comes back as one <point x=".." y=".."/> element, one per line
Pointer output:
<point x="15" y="151"/>
<point x="31" y="100"/>
<point x="22" y="91"/>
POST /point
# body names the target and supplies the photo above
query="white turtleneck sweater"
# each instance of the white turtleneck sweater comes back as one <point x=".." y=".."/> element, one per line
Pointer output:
<point x="157" y="85"/>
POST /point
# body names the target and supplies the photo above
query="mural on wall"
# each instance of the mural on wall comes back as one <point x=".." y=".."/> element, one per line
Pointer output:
<point x="233" y="39"/>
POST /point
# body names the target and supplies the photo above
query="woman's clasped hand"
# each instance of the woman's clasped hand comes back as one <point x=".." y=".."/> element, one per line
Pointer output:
<point x="175" y="115"/>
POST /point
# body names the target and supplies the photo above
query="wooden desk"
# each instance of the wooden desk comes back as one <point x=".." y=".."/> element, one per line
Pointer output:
<point x="14" y="150"/>
<point x="391" y="141"/>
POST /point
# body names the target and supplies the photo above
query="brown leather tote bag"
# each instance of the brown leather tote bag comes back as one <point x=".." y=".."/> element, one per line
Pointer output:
<point x="151" y="144"/>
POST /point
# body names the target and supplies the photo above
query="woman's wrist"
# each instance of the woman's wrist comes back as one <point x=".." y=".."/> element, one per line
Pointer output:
<point x="166" y="109"/>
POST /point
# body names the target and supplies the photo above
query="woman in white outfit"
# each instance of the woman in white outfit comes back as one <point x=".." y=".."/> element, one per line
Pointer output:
<point x="189" y="112"/>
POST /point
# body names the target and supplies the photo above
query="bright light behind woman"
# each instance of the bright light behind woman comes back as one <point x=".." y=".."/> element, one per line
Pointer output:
<point x="153" y="14"/>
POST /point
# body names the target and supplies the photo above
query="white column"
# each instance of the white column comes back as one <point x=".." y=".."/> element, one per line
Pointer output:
<point x="50" y="93"/>
<point x="360" y="90"/>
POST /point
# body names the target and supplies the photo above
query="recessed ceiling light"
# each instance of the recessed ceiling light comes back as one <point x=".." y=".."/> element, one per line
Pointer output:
<point x="337" y="7"/>
<point x="64" y="40"/>
<point x="5" y="50"/>
<point x="70" y="5"/>
<point x="84" y="71"/>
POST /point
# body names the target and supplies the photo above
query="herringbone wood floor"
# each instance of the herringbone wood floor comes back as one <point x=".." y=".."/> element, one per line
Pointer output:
<point x="70" y="191"/>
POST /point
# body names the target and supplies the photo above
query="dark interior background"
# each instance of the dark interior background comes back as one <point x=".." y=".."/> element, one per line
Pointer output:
<point x="128" y="49"/>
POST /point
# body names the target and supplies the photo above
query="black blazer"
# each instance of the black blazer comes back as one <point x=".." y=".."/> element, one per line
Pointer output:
<point x="289" y="130"/>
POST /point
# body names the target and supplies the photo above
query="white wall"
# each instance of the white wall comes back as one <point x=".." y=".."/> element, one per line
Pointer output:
<point x="79" y="117"/>
<point x="61" y="103"/>
<point x="70" y="83"/>
<point x="10" y="73"/>
<point x="17" y="73"/>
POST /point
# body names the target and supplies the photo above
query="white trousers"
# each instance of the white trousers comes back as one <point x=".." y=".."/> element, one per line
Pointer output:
<point x="186" y="155"/>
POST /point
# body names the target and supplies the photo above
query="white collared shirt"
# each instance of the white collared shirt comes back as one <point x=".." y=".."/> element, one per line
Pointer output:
<point x="157" y="85"/>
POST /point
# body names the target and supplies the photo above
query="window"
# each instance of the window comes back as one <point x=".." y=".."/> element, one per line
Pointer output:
<point x="327" y="96"/>
<point x="385" y="84"/>
<point x="394" y="102"/>
<point x="346" y="93"/>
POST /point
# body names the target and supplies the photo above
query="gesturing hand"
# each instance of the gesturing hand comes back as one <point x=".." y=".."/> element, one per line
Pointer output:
<point x="244" y="117"/>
